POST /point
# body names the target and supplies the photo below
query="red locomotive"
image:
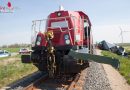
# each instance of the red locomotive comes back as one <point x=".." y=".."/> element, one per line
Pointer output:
<point x="70" y="29"/>
<point x="64" y="31"/>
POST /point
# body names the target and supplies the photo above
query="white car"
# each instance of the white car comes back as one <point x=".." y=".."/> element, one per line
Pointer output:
<point x="24" y="51"/>
<point x="4" y="53"/>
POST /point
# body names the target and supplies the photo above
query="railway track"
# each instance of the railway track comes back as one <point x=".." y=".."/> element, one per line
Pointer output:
<point x="35" y="83"/>
<point x="45" y="83"/>
<point x="40" y="81"/>
<point x="91" y="78"/>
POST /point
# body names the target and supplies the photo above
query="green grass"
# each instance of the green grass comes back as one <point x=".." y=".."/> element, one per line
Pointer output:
<point x="123" y="44"/>
<point x="127" y="48"/>
<point x="14" y="71"/>
<point x="11" y="49"/>
<point x="5" y="58"/>
<point x="124" y="64"/>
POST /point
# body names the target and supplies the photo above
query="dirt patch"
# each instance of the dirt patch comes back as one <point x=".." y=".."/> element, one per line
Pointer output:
<point x="9" y="60"/>
<point x="117" y="82"/>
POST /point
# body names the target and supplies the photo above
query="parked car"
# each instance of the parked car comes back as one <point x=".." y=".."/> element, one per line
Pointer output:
<point x="4" y="53"/>
<point x="24" y="51"/>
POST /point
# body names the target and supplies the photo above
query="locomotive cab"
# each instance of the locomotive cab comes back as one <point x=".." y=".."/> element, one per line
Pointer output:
<point x="70" y="29"/>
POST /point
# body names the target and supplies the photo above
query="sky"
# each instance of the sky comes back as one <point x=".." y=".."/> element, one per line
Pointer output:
<point x="108" y="18"/>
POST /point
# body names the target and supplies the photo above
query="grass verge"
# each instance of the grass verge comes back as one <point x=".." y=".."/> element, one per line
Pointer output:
<point x="11" y="49"/>
<point x="16" y="56"/>
<point x="14" y="71"/>
<point x="124" y="64"/>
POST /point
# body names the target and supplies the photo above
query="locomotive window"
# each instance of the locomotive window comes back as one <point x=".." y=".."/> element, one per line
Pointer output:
<point x="38" y="38"/>
<point x="86" y="29"/>
<point x="86" y="23"/>
<point x="61" y="24"/>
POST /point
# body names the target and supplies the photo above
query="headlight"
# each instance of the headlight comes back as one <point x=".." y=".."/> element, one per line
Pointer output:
<point x="38" y="43"/>
<point x="66" y="36"/>
<point x="67" y="41"/>
<point x="59" y="14"/>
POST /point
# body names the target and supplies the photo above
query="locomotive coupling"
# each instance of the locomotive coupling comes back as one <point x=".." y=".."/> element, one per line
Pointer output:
<point x="51" y="64"/>
<point x="49" y="35"/>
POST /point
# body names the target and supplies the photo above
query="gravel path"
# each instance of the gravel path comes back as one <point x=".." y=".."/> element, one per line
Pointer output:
<point x="117" y="81"/>
<point x="96" y="78"/>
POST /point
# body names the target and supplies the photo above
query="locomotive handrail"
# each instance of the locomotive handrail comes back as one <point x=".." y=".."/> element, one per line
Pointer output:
<point x="39" y="27"/>
<point x="54" y="18"/>
<point x="36" y="27"/>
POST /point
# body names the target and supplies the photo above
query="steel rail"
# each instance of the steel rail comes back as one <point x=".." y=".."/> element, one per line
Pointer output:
<point x="73" y="83"/>
<point x="33" y="85"/>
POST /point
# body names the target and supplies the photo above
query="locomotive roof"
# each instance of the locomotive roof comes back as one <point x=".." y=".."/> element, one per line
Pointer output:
<point x="74" y="13"/>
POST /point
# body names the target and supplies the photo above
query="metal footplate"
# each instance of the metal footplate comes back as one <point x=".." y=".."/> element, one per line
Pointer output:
<point x="83" y="55"/>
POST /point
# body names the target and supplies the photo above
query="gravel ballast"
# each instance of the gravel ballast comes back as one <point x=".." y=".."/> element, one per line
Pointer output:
<point x="96" y="78"/>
